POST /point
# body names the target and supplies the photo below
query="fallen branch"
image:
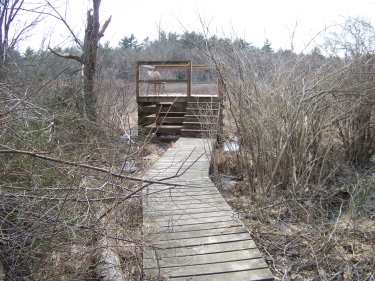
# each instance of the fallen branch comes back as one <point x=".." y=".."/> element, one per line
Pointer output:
<point x="89" y="167"/>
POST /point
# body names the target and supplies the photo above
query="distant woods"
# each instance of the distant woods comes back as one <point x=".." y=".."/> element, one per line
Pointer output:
<point x="117" y="61"/>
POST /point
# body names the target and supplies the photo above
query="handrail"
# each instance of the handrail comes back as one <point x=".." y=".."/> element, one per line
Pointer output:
<point x="163" y="80"/>
<point x="157" y="65"/>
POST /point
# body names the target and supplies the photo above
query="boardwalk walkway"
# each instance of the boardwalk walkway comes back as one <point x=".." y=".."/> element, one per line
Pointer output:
<point x="191" y="231"/>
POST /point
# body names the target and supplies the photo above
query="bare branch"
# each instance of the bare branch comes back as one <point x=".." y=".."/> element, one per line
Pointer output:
<point x="60" y="17"/>
<point x="105" y="25"/>
<point x="66" y="55"/>
<point x="106" y="171"/>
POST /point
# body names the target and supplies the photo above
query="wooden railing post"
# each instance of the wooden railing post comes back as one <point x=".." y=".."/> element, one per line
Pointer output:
<point x="190" y="74"/>
<point x="137" y="87"/>
<point x="220" y="89"/>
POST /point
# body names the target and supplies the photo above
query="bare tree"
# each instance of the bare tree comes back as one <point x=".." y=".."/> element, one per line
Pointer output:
<point x="11" y="31"/>
<point x="87" y="102"/>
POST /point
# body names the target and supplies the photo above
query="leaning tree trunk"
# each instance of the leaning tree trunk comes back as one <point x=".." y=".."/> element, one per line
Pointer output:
<point x="86" y="103"/>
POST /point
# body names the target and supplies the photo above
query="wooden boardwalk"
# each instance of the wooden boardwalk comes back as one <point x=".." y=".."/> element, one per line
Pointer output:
<point x="190" y="231"/>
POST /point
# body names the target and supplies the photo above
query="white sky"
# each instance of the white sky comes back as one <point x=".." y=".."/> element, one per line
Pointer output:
<point x="251" y="20"/>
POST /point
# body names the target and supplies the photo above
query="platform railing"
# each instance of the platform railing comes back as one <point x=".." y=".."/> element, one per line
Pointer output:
<point x="143" y="67"/>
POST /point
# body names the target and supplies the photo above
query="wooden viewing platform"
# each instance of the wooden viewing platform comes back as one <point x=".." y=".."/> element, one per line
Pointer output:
<point x="190" y="231"/>
<point x="178" y="98"/>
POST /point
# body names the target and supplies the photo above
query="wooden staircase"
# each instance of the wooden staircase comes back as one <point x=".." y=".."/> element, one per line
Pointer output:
<point x="201" y="118"/>
<point x="190" y="117"/>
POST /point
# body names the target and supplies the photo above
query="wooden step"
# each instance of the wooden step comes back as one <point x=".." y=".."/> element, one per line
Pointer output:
<point x="163" y="129"/>
<point x="198" y="133"/>
<point x="166" y="119"/>
<point x="153" y="110"/>
<point x="200" y="125"/>
<point x="169" y="118"/>
<point x="199" y="118"/>
<point x="196" y="111"/>
<point x="203" y="99"/>
<point x="161" y="107"/>
<point x="203" y="105"/>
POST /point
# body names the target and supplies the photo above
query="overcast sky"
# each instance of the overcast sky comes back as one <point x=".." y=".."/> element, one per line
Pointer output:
<point x="277" y="20"/>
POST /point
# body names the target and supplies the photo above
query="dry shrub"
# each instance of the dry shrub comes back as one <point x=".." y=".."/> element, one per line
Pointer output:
<point x="116" y="104"/>
<point x="55" y="213"/>
<point x="306" y="130"/>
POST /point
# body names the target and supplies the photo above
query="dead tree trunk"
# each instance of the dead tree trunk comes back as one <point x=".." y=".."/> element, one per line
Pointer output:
<point x="86" y="103"/>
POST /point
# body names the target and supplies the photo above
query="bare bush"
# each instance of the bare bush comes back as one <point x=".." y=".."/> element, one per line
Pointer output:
<point x="68" y="204"/>
<point x="306" y="130"/>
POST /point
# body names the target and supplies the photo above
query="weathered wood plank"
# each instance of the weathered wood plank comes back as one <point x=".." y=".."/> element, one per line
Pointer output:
<point x="181" y="192"/>
<point x="184" y="218"/>
<point x="186" y="204"/>
<point x="193" y="208"/>
<point x="169" y="223"/>
<point x="152" y="252"/>
<point x="164" y="235"/>
<point x="206" y="269"/>
<point x="254" y="275"/>
<point x="205" y="259"/>
<point x="180" y="211"/>
<point x="150" y="228"/>
<point x="191" y="242"/>
<point x="187" y="200"/>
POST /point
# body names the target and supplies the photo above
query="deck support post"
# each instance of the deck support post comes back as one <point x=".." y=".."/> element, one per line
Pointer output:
<point x="189" y="77"/>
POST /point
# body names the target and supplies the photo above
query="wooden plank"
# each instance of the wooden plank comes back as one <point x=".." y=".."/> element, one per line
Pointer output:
<point x="183" y="188"/>
<point x="183" y="218"/>
<point x="196" y="208"/>
<point x="179" y="223"/>
<point x="151" y="229"/>
<point x="182" y="197"/>
<point x="207" y="269"/>
<point x="189" y="205"/>
<point x="253" y="274"/>
<point x="151" y="252"/>
<point x="187" y="202"/>
<point x="204" y="259"/>
<point x="165" y="197"/>
<point x="187" y="209"/>
<point x="183" y="205"/>
<point x="188" y="219"/>
<point x="167" y="184"/>
<point x="176" y="191"/>
<point x="164" y="235"/>
<point x="198" y="241"/>
<point x="148" y="81"/>
<point x="173" y="215"/>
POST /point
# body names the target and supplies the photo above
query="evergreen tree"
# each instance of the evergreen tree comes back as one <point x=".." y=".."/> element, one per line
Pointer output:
<point x="267" y="46"/>
<point x="129" y="42"/>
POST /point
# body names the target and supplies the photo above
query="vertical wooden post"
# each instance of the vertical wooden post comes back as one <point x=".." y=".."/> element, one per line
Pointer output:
<point x="190" y="73"/>
<point x="137" y="81"/>
<point x="220" y="94"/>
<point x="220" y="89"/>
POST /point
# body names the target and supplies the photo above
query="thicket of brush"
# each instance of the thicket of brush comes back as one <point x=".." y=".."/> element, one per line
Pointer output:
<point x="306" y="125"/>
<point x="67" y="208"/>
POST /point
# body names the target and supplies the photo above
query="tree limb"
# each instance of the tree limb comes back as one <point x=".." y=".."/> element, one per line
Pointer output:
<point x="66" y="24"/>
<point x="105" y="25"/>
<point x="86" y="166"/>
<point x="66" y="56"/>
